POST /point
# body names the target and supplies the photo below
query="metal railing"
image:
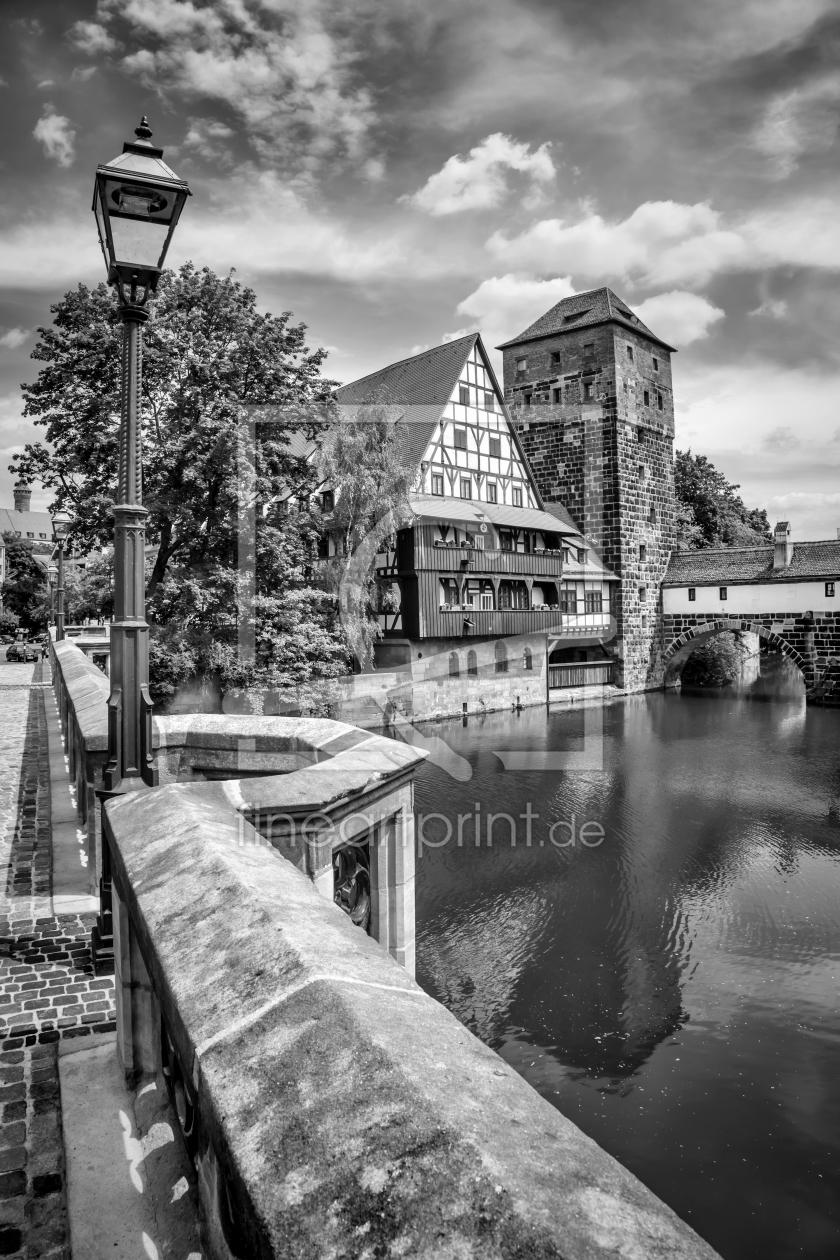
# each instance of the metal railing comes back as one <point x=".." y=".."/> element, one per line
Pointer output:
<point x="581" y="674"/>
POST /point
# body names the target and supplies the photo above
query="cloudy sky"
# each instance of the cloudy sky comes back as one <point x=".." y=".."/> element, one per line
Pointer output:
<point x="399" y="171"/>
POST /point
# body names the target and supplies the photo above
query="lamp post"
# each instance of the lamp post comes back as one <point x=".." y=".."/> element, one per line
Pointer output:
<point x="61" y="528"/>
<point x="137" y="201"/>
<point x="52" y="579"/>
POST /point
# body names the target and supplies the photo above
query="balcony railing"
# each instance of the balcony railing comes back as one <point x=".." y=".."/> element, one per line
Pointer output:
<point x="444" y="558"/>
<point x="581" y="674"/>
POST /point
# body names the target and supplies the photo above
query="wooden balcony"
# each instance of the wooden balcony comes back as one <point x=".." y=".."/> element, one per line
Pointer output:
<point x="487" y="560"/>
<point x="448" y="622"/>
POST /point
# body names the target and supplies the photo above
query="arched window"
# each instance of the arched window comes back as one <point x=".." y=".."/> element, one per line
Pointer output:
<point x="527" y="659"/>
<point x="472" y="662"/>
<point x="501" y="658"/>
<point x="454" y="667"/>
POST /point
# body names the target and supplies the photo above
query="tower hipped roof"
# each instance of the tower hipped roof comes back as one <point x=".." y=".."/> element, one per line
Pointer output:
<point x="598" y="306"/>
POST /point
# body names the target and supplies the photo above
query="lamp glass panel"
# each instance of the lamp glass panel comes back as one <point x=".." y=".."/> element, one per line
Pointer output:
<point x="137" y="242"/>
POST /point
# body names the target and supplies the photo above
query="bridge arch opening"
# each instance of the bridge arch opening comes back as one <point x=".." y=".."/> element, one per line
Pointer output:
<point x="678" y="652"/>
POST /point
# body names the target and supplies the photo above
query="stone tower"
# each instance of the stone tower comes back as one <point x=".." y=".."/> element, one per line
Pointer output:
<point x="589" y="387"/>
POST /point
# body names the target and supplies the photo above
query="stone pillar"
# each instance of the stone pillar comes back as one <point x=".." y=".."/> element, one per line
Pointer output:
<point x="392" y="885"/>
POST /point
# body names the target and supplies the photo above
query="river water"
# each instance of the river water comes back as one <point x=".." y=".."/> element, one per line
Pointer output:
<point x="672" y="989"/>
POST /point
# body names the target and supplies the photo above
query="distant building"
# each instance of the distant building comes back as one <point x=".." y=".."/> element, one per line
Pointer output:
<point x="589" y="387"/>
<point x="23" y="522"/>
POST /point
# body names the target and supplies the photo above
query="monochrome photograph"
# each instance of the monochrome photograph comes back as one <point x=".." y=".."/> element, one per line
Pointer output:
<point x="420" y="630"/>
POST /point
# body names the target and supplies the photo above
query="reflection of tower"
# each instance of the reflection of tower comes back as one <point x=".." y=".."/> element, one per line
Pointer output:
<point x="590" y="388"/>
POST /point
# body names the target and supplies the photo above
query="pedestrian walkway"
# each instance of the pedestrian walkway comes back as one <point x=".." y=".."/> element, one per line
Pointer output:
<point x="48" y="992"/>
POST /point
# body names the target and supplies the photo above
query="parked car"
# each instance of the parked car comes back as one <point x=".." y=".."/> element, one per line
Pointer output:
<point x="23" y="651"/>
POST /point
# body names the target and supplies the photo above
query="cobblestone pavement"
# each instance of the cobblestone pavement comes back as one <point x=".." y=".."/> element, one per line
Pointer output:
<point x="47" y="987"/>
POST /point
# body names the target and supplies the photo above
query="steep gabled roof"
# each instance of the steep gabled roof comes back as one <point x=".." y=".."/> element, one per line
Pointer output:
<point x="599" y="306"/>
<point x="424" y="383"/>
<point x="752" y="564"/>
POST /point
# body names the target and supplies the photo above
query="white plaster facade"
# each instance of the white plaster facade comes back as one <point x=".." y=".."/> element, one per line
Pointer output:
<point x="753" y="597"/>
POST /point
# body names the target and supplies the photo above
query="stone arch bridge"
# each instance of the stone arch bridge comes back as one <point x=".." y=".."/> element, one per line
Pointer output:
<point x="788" y="594"/>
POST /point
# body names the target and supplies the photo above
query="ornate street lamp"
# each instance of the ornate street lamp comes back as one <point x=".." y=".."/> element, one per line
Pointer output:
<point x="61" y="528"/>
<point x="137" y="201"/>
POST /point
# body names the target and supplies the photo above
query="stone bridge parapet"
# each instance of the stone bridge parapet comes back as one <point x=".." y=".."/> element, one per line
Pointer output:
<point x="330" y="1106"/>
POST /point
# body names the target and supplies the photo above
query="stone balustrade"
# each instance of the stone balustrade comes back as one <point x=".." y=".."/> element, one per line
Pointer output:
<point x="328" y="795"/>
<point x="330" y="1106"/>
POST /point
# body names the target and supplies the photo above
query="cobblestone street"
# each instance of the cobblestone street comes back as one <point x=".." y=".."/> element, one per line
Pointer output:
<point x="47" y="987"/>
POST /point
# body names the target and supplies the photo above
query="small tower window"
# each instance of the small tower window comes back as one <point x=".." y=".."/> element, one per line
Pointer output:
<point x="589" y="350"/>
<point x="642" y="472"/>
<point x="464" y="395"/>
<point x="642" y="594"/>
<point x="437" y="483"/>
<point x="557" y="396"/>
<point x="517" y="497"/>
<point x="588" y="391"/>
<point x="528" y="400"/>
<point x="496" y="447"/>
<point x="647" y="397"/>
<point x="642" y="551"/>
<point x="522" y="365"/>
<point x="659" y="401"/>
<point x="556" y="358"/>
<point x="630" y="353"/>
<point x="655" y="364"/>
<point x="460" y="439"/>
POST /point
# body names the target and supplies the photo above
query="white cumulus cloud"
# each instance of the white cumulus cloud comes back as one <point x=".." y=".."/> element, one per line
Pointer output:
<point x="91" y="38"/>
<point x="679" y="317"/>
<point x="668" y="243"/>
<point x="286" y="69"/>
<point x="14" y="337"/>
<point x="478" y="181"/>
<point x="57" y="136"/>
<point x="503" y="306"/>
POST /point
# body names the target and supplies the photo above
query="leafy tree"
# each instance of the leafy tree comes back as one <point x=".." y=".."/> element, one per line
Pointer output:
<point x="209" y="355"/>
<point x="8" y="623"/>
<point x="363" y="455"/>
<point x="710" y="512"/>
<point x="717" y="662"/>
<point x="26" y="586"/>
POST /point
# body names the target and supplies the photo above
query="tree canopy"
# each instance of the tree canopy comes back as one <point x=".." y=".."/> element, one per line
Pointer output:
<point x="209" y="356"/>
<point x="25" y="589"/>
<point x="710" y="512"/>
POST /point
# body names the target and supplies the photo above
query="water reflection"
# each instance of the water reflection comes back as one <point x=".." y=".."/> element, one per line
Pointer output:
<point x="674" y="989"/>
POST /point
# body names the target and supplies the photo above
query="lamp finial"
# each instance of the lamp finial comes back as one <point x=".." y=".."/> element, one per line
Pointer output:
<point x="144" y="131"/>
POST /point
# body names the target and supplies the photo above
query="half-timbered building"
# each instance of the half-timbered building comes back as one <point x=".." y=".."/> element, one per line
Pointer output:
<point x="488" y="581"/>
